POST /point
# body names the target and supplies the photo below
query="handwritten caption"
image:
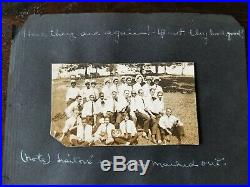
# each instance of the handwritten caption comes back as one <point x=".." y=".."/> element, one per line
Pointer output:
<point x="68" y="159"/>
<point x="163" y="33"/>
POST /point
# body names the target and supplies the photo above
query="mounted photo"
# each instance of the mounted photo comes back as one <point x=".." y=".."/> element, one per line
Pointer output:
<point x="125" y="104"/>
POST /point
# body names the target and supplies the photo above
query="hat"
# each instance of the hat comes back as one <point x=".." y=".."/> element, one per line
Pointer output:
<point x="106" y="80"/>
<point x="86" y="81"/>
<point x="123" y="77"/>
<point x="115" y="78"/>
<point x="93" y="81"/>
<point x="73" y="81"/>
<point x="149" y="78"/>
<point x="137" y="76"/>
<point x="157" y="78"/>
<point x="128" y="77"/>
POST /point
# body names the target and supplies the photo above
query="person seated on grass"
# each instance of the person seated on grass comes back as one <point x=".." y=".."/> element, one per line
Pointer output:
<point x="103" y="134"/>
<point x="73" y="114"/>
<point x="128" y="135"/>
<point x="83" y="135"/>
<point x="171" y="125"/>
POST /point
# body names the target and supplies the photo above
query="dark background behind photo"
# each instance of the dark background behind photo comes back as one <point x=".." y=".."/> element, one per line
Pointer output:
<point x="221" y="95"/>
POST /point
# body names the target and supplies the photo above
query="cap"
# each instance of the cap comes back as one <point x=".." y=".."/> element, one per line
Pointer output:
<point x="137" y="77"/>
<point x="73" y="81"/>
<point x="106" y="80"/>
<point x="115" y="78"/>
<point x="149" y="78"/>
<point x="123" y="77"/>
<point x="128" y="77"/>
<point x="157" y="78"/>
<point x="86" y="81"/>
<point x="93" y="81"/>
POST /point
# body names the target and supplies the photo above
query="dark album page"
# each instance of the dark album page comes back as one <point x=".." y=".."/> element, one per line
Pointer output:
<point x="127" y="98"/>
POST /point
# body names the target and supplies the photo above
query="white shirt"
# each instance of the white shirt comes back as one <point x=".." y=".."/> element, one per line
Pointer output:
<point x="89" y="109"/>
<point x="158" y="106"/>
<point x="167" y="122"/>
<point x="121" y="104"/>
<point x="128" y="127"/>
<point x="108" y="106"/>
<point x="72" y="109"/>
<point x="104" y="130"/>
<point x="149" y="103"/>
<point x="140" y="104"/>
<point x="121" y="88"/>
<point x="114" y="87"/>
<point x="129" y="88"/>
<point x="85" y="92"/>
<point x="157" y="89"/>
<point x="107" y="92"/>
<point x="72" y="93"/>
<point x="133" y="106"/>
<point x="95" y="92"/>
<point x="137" y="86"/>
<point x="146" y="89"/>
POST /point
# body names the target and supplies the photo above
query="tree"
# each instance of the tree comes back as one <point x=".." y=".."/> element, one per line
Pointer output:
<point x="112" y="68"/>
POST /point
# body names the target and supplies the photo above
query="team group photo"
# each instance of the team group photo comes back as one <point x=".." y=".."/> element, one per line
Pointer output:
<point x="131" y="104"/>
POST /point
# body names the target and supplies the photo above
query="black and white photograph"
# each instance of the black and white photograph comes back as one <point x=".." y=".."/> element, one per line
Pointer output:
<point x="124" y="104"/>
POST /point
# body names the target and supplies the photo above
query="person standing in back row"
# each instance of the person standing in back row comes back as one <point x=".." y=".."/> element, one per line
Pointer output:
<point x="72" y="92"/>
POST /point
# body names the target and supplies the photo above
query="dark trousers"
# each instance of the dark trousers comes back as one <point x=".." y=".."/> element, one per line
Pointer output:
<point x="123" y="140"/>
<point x="177" y="131"/>
<point x="146" y="120"/>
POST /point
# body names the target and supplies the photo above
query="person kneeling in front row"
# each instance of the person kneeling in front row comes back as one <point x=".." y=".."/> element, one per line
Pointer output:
<point x="170" y="125"/>
<point x="103" y="134"/>
<point x="128" y="134"/>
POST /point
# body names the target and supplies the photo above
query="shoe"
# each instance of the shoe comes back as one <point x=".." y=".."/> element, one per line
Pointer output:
<point x="159" y="142"/>
<point x="127" y="143"/>
<point x="154" y="141"/>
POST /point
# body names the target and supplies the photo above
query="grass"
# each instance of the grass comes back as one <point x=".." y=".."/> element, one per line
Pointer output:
<point x="182" y="105"/>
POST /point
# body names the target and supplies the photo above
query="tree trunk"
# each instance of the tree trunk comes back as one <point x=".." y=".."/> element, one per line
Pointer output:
<point x="141" y="70"/>
<point x="156" y="69"/>
<point x="86" y="72"/>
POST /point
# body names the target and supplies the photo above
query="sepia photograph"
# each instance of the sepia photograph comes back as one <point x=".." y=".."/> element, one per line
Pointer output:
<point x="125" y="104"/>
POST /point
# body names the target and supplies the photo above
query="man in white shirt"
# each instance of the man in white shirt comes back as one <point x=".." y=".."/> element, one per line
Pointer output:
<point x="122" y="106"/>
<point x="73" y="113"/>
<point x="104" y="133"/>
<point x="86" y="90"/>
<point x="157" y="110"/>
<point x="146" y="87"/>
<point x="106" y="88"/>
<point x="139" y="82"/>
<point x="171" y="125"/>
<point x="115" y="85"/>
<point x="156" y="85"/>
<point x="105" y="107"/>
<point x="129" y="134"/>
<point x="128" y="85"/>
<point x="83" y="135"/>
<point x="122" y="86"/>
<point x="72" y="92"/>
<point x="94" y="90"/>
<point x="151" y="110"/>
<point x="89" y="110"/>
<point x="133" y="107"/>
<point x="142" y="113"/>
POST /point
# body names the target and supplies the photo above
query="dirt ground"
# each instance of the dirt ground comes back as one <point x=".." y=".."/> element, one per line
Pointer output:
<point x="182" y="105"/>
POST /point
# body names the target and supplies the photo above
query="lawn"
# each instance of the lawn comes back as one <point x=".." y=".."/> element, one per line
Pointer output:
<point x="182" y="103"/>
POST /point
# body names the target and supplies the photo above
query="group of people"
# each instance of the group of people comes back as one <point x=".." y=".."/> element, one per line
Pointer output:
<point x="117" y="111"/>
